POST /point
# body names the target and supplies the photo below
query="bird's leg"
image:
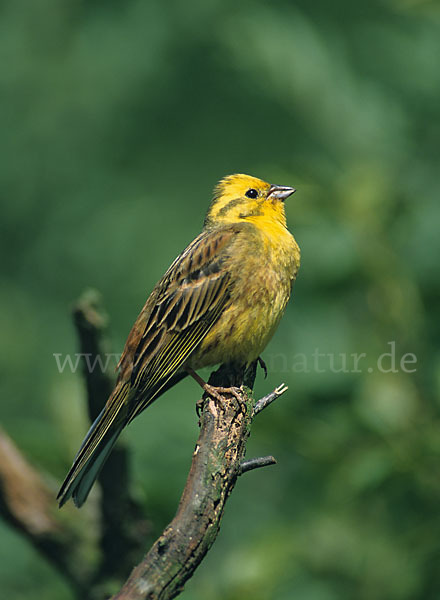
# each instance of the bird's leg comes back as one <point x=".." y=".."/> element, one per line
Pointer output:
<point x="215" y="391"/>
<point x="263" y="366"/>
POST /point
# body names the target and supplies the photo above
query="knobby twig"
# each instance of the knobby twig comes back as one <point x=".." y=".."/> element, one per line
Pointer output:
<point x="217" y="462"/>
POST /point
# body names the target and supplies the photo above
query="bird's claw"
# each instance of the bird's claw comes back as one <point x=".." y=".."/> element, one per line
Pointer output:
<point x="217" y="393"/>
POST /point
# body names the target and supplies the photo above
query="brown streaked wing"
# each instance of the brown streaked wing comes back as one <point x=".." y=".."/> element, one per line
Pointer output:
<point x="182" y="308"/>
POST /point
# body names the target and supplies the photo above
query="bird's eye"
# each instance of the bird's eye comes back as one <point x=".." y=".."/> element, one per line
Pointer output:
<point x="251" y="193"/>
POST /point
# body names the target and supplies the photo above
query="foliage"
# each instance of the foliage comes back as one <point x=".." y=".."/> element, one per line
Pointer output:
<point x="117" y="119"/>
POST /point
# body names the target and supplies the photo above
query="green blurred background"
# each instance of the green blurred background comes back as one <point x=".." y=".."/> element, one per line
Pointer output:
<point x="116" y="120"/>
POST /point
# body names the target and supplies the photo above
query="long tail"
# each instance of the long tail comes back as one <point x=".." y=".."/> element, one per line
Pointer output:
<point x="102" y="436"/>
<point x="95" y="448"/>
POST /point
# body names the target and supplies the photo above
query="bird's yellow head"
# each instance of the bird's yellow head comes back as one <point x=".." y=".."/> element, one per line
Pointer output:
<point x="239" y="198"/>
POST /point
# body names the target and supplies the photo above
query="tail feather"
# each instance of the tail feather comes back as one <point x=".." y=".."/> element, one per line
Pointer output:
<point x="102" y="436"/>
<point x="95" y="449"/>
<point x="78" y="486"/>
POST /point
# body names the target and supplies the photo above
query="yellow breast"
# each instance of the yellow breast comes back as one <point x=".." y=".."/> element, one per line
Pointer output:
<point x="263" y="267"/>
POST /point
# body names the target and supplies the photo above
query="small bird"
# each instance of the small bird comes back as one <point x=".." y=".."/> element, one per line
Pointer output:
<point x="219" y="302"/>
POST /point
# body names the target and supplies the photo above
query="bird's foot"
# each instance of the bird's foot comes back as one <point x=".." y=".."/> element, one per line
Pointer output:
<point x="216" y="392"/>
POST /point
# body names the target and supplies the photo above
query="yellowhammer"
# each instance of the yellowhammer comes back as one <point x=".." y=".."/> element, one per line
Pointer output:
<point x="219" y="302"/>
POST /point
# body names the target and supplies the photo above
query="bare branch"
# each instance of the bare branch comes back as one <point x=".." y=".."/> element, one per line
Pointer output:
<point x="214" y="470"/>
<point x="217" y="462"/>
<point x="256" y="463"/>
<point x="266" y="400"/>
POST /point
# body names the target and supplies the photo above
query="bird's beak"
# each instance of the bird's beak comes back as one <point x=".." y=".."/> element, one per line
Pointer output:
<point x="280" y="192"/>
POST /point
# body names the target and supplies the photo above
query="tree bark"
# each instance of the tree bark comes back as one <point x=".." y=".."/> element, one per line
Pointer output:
<point x="217" y="462"/>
